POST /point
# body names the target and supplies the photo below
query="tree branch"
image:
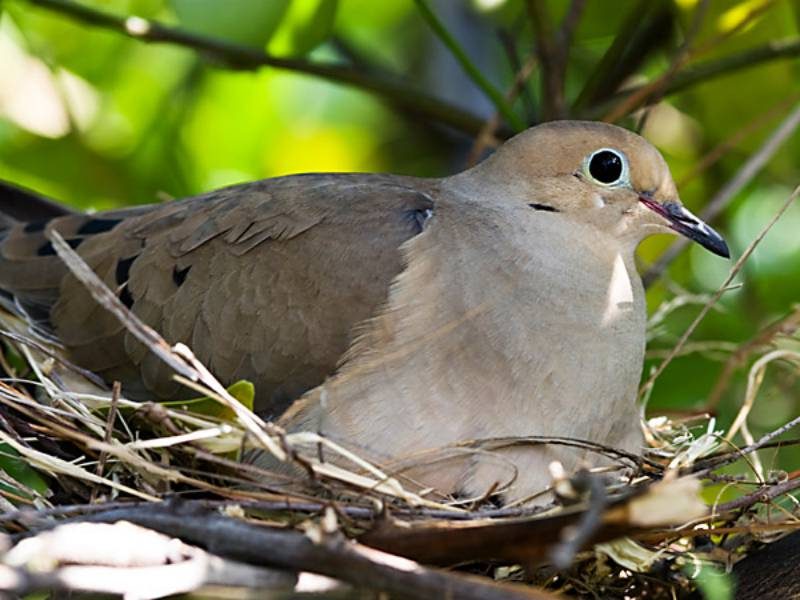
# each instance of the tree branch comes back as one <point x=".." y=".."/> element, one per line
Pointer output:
<point x="392" y="90"/>
<point x="645" y="29"/>
<point x="708" y="70"/>
<point x="553" y="104"/>
<point x="329" y="554"/>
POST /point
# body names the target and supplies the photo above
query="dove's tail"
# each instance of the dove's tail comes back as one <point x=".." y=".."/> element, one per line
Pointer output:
<point x="21" y="205"/>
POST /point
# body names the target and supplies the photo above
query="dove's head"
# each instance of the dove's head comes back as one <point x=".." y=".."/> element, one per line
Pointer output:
<point x="598" y="174"/>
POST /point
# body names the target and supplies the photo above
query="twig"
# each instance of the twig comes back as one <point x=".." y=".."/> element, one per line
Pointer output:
<point x="722" y="198"/>
<point x="508" y="42"/>
<point x="55" y="465"/>
<point x="116" y="390"/>
<point x="641" y="32"/>
<point x="469" y="67"/>
<point x="711" y="157"/>
<point x="784" y="326"/>
<point x="722" y="288"/>
<point x="553" y="104"/>
<point x="487" y="136"/>
<point x="179" y="358"/>
<point x="754" y="379"/>
<point x="763" y="494"/>
<point x="578" y="536"/>
<point x="21" y="339"/>
<point x="390" y="89"/>
<point x="654" y="90"/>
<point x="704" y="466"/>
<point x="708" y="70"/>
<point x="568" y="26"/>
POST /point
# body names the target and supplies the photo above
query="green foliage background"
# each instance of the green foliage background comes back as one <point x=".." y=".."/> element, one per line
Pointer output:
<point x="98" y="119"/>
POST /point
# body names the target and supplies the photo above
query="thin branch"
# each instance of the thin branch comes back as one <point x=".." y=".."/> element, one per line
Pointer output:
<point x="508" y="42"/>
<point x="569" y="24"/>
<point x="116" y="390"/>
<point x="388" y="88"/>
<point x="785" y="326"/>
<point x="706" y="465"/>
<point x="726" y="145"/>
<point x="578" y="537"/>
<point x="724" y="197"/>
<point x="487" y="138"/>
<point x="721" y="290"/>
<point x="763" y="494"/>
<point x="469" y="67"/>
<point x="654" y="91"/>
<point x="645" y="28"/>
<point x="708" y="70"/>
<point x="553" y="103"/>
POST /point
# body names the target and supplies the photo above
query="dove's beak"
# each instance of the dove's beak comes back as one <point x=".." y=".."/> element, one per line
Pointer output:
<point x="684" y="222"/>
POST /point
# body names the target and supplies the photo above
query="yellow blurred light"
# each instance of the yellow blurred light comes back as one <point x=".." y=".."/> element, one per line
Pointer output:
<point x="322" y="149"/>
<point x="488" y="5"/>
<point x="672" y="130"/>
<point x="735" y="16"/>
<point x="29" y="97"/>
<point x="42" y="101"/>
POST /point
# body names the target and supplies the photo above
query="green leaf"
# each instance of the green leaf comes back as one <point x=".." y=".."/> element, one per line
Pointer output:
<point x="249" y="22"/>
<point x="20" y="471"/>
<point x="244" y="391"/>
<point x="713" y="583"/>
<point x="307" y="24"/>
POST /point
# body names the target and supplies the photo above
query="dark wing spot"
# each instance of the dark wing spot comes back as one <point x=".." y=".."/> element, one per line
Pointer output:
<point x="418" y="218"/>
<point x="179" y="275"/>
<point x="48" y="250"/>
<point x="419" y="211"/>
<point x="544" y="207"/>
<point x="126" y="298"/>
<point x="93" y="226"/>
<point x="123" y="269"/>
<point x="34" y="227"/>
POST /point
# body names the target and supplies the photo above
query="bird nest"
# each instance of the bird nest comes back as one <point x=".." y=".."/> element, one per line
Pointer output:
<point x="101" y="493"/>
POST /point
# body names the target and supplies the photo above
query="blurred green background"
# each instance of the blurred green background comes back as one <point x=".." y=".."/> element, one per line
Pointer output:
<point x="96" y="118"/>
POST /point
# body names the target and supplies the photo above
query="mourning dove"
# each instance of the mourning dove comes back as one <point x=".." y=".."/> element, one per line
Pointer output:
<point x="391" y="313"/>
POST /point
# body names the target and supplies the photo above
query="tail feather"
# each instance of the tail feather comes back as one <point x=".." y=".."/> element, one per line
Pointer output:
<point x="20" y="204"/>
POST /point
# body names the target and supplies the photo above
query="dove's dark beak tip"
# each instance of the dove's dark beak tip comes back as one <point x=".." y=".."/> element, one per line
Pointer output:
<point x="714" y="244"/>
<point x="685" y="223"/>
<point x="720" y="248"/>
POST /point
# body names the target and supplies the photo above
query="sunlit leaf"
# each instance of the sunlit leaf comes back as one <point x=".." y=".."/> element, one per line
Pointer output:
<point x="713" y="583"/>
<point x="244" y="391"/>
<point x="19" y="470"/>
<point x="250" y="22"/>
<point x="306" y="25"/>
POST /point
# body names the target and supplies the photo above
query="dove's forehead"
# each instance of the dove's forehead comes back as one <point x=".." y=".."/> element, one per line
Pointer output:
<point x="562" y="146"/>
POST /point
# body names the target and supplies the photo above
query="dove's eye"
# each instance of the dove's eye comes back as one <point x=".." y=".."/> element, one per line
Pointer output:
<point x="607" y="167"/>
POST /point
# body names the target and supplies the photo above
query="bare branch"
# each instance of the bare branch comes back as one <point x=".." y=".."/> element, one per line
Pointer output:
<point x="328" y="554"/>
<point x="390" y="89"/>
<point x="553" y="103"/>
<point x="706" y="71"/>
